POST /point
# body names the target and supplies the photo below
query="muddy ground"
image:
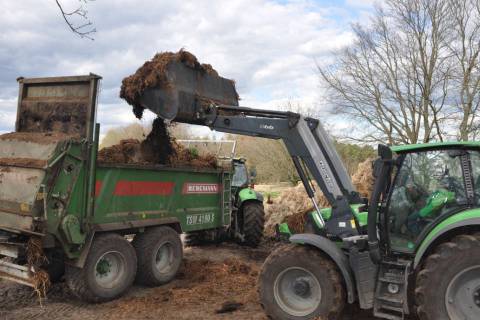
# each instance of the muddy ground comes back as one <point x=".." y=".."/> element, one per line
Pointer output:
<point x="210" y="277"/>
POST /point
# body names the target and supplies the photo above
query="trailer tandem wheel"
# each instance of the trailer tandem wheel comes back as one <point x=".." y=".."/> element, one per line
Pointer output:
<point x="159" y="253"/>
<point x="108" y="272"/>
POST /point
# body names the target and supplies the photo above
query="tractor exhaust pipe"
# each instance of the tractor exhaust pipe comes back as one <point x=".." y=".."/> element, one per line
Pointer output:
<point x="381" y="172"/>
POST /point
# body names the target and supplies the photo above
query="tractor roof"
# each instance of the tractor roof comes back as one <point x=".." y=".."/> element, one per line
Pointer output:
<point x="435" y="145"/>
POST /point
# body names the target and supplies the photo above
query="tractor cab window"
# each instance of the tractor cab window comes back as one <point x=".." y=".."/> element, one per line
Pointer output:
<point x="240" y="175"/>
<point x="428" y="184"/>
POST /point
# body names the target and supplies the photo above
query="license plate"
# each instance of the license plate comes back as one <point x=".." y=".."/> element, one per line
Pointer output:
<point x="201" y="218"/>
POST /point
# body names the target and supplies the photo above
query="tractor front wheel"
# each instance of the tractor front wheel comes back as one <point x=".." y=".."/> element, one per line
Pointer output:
<point x="299" y="283"/>
<point x="448" y="285"/>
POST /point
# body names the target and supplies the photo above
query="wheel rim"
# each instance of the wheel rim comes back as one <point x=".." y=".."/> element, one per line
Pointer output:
<point x="297" y="291"/>
<point x="462" y="299"/>
<point x="110" y="269"/>
<point x="164" y="258"/>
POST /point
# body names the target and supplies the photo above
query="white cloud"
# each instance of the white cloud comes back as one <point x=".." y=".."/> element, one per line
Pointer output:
<point x="269" y="48"/>
<point x="362" y="3"/>
<point x="8" y="108"/>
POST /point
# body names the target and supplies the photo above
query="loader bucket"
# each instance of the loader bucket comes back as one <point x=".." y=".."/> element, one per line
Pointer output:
<point x="177" y="99"/>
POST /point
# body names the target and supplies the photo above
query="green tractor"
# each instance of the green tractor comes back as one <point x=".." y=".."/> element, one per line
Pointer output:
<point x="417" y="248"/>
<point x="412" y="248"/>
<point x="246" y="204"/>
<point x="248" y="212"/>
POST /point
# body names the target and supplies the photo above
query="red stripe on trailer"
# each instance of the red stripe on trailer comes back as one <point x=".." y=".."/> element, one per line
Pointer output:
<point x="143" y="188"/>
<point x="98" y="187"/>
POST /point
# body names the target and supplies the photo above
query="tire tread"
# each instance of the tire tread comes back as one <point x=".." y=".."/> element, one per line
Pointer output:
<point x="76" y="278"/>
<point x="142" y="242"/>
<point x="254" y="223"/>
<point x="324" y="263"/>
<point x="442" y="254"/>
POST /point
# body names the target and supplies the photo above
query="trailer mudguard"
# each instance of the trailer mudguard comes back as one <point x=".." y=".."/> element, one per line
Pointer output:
<point x="462" y="219"/>
<point x="328" y="247"/>
<point x="82" y="258"/>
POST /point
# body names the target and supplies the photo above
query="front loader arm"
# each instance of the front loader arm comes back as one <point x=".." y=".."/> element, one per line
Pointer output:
<point x="301" y="137"/>
<point x="202" y="98"/>
<point x="307" y="142"/>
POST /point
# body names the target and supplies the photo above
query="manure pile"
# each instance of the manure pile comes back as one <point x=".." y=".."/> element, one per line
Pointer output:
<point x="293" y="204"/>
<point x="158" y="147"/>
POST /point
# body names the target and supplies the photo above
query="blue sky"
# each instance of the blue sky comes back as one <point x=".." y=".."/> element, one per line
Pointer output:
<point x="269" y="47"/>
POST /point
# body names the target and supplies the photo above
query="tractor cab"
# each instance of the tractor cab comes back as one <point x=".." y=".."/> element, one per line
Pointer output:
<point x="423" y="220"/>
<point x="241" y="177"/>
<point x="427" y="184"/>
<point x="243" y="182"/>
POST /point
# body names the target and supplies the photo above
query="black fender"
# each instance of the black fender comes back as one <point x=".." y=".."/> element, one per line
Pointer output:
<point x="80" y="261"/>
<point x="330" y="249"/>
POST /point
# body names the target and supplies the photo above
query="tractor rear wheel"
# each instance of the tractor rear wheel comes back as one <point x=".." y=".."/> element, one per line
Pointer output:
<point x="159" y="255"/>
<point x="253" y="223"/>
<point x="108" y="272"/>
<point x="299" y="283"/>
<point x="448" y="286"/>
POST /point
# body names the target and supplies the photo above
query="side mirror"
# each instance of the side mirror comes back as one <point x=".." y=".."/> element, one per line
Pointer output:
<point x="253" y="173"/>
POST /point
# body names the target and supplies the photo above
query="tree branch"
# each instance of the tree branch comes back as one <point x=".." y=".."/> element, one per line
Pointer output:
<point x="84" y="30"/>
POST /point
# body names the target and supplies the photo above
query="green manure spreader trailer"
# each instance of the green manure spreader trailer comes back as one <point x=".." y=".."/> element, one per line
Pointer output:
<point x="64" y="214"/>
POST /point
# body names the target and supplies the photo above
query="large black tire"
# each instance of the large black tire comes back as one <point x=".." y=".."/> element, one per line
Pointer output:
<point x="108" y="272"/>
<point x="298" y="283"/>
<point x="159" y="255"/>
<point x="55" y="266"/>
<point x="448" y="285"/>
<point x="253" y="223"/>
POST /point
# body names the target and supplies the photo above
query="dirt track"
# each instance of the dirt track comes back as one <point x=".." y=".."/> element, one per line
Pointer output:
<point x="210" y="276"/>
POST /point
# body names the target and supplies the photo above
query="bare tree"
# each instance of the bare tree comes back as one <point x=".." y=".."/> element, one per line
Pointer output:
<point x="465" y="48"/>
<point x="85" y="28"/>
<point x="402" y="77"/>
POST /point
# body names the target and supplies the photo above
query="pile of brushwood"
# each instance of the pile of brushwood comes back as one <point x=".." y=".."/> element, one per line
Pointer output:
<point x="293" y="204"/>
